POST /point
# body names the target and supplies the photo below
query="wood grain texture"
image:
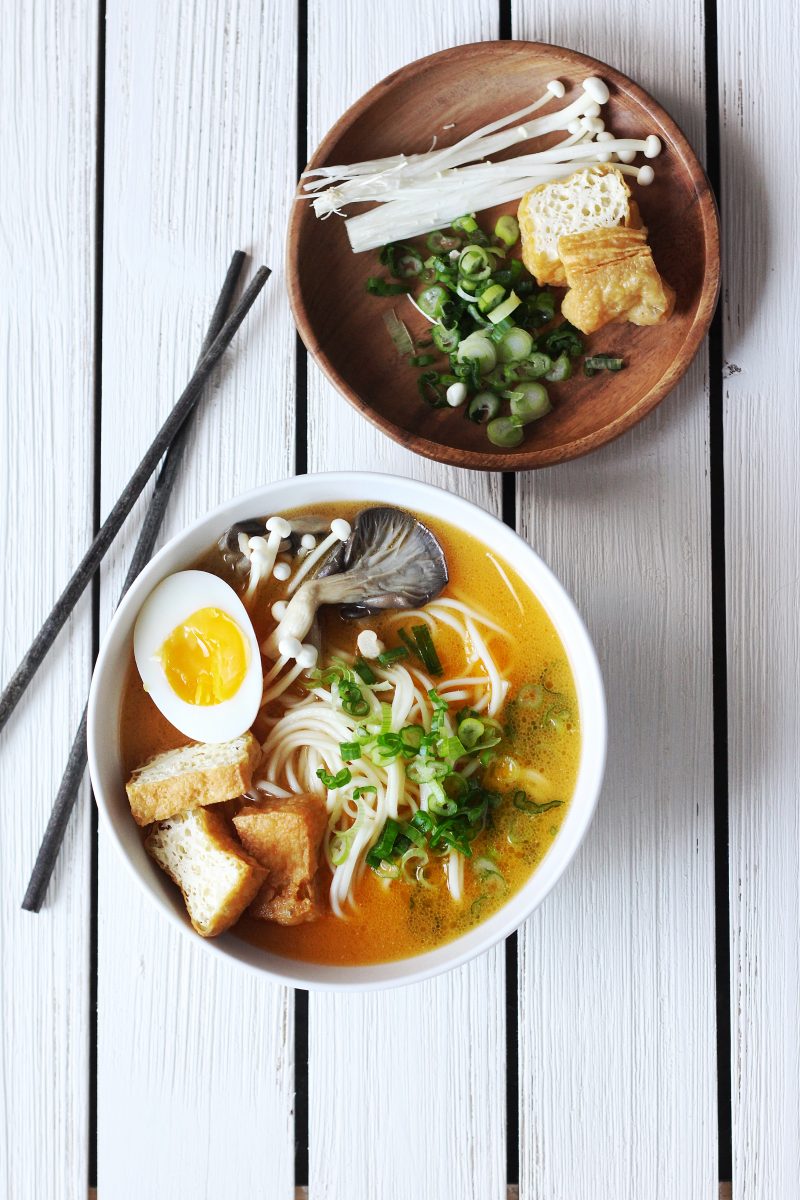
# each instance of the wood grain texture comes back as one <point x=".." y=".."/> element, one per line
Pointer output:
<point x="403" y="112"/>
<point x="762" y="509"/>
<point x="364" y="1112"/>
<point x="48" y="77"/>
<point x="194" y="1057"/>
<point x="616" y="1009"/>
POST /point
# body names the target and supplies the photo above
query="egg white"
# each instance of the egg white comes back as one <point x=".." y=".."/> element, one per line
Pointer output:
<point x="169" y="604"/>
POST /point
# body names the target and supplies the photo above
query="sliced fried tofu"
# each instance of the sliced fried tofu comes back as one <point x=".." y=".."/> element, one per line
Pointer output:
<point x="285" y="837"/>
<point x="217" y="878"/>
<point x="191" y="777"/>
<point x="612" y="277"/>
<point x="593" y="197"/>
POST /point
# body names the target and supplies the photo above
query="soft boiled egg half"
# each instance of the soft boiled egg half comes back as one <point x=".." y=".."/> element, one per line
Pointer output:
<point x="197" y="654"/>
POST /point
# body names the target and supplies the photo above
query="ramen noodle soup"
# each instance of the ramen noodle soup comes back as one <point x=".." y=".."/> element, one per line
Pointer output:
<point x="351" y="735"/>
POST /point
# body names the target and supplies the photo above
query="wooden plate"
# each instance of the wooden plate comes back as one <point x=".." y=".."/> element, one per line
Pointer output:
<point x="343" y="326"/>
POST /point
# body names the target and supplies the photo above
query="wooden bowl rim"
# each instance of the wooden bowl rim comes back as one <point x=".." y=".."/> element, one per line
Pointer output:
<point x="523" y="458"/>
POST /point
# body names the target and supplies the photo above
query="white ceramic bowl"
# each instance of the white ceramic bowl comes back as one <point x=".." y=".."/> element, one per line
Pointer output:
<point x="104" y="705"/>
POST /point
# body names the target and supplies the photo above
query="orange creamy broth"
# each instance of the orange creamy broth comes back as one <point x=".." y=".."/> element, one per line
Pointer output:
<point x="398" y="920"/>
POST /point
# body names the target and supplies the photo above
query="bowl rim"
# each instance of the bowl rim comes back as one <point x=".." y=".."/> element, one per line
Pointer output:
<point x="524" y="458"/>
<point x="422" y="497"/>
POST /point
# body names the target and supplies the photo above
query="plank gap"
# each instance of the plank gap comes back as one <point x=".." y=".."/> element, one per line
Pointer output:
<point x="301" y="1135"/>
<point x="719" y="639"/>
<point x="96" y="515"/>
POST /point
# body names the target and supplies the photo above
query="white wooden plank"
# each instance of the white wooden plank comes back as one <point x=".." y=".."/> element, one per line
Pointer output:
<point x="194" y="1057"/>
<point x="48" y="74"/>
<point x="360" y="1106"/>
<point x="617" y="1015"/>
<point x="762" y="432"/>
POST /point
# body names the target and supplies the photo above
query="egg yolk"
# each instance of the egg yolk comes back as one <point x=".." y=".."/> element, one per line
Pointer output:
<point x="205" y="657"/>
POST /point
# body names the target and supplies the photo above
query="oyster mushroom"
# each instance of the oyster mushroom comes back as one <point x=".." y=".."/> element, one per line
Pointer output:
<point x="233" y="545"/>
<point x="391" y="560"/>
<point x="304" y="534"/>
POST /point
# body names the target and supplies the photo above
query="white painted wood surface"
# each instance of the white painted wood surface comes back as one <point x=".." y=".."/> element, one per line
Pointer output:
<point x="762" y="434"/>
<point x="194" y="1058"/>
<point x="48" y="96"/>
<point x="453" y="1027"/>
<point x="195" y="1072"/>
<point x="616" y="996"/>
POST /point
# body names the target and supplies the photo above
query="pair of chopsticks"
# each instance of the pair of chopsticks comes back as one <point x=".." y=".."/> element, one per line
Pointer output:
<point x="169" y="443"/>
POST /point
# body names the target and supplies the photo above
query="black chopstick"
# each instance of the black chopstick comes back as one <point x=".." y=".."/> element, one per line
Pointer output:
<point x="113" y="522"/>
<point x="76" y="762"/>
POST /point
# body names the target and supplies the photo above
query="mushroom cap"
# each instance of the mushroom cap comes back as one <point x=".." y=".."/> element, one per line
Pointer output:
<point x="391" y="560"/>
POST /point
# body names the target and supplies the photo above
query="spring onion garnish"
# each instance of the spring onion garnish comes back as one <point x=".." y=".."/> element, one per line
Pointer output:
<point x="601" y="362"/>
<point x="350" y="751"/>
<point x="398" y="333"/>
<point x="381" y="287"/>
<point x="353" y="700"/>
<point x="426" y="649"/>
<point x="364" y="790"/>
<point x="525" y="805"/>
<point x="339" y="780"/>
<point x="391" y="656"/>
<point x="505" y="432"/>
<point x="486" y="313"/>
<point x="364" y="671"/>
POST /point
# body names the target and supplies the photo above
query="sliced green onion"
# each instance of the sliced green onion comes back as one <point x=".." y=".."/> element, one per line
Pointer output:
<point x="465" y="224"/>
<point x="364" y="671"/>
<point x="525" y="805"/>
<point x="474" y="263"/>
<point x="390" y="656"/>
<point x="560" y="370"/>
<point x="432" y="300"/>
<point x="505" y="432"/>
<point x="423" y="821"/>
<point x="436" y="700"/>
<point x="514" y="345"/>
<point x="398" y="333"/>
<point x="453" y="747"/>
<point x="439" y="802"/>
<point x="431" y="389"/>
<point x="339" y="848"/>
<point x="411" y="736"/>
<point x="364" y="790"/>
<point x="564" y="339"/>
<point x="529" y="401"/>
<point x="507" y="230"/>
<point x="355" y="706"/>
<point x="480" y="348"/>
<point x="349" y="751"/>
<point x="339" y="780"/>
<point x="483" y="407"/>
<point x="377" y="286"/>
<point x="601" y="362"/>
<point x="535" y="366"/>
<point x="422" y="360"/>
<point x="386" y="841"/>
<point x="426" y="648"/>
<point x="442" y="243"/>
<point x="470" y="731"/>
<point x="487" y="870"/>
<point x="426" y="770"/>
<point x="381" y="866"/>
<point x="490" y="298"/>
<point x="445" y="339"/>
<point x="557" y="718"/>
<point x="505" y="309"/>
<point x="531" y="695"/>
